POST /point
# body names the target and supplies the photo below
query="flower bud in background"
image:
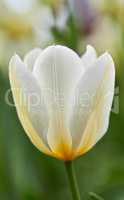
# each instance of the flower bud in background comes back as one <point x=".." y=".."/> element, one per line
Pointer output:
<point x="63" y="101"/>
<point x="85" y="14"/>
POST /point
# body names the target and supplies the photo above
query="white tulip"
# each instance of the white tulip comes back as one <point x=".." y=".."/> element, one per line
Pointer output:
<point x="63" y="101"/>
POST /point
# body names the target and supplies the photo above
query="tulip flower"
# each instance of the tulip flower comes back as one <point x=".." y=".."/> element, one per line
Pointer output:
<point x="63" y="101"/>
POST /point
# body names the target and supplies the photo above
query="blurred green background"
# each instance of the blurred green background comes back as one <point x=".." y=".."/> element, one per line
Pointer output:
<point x="25" y="173"/>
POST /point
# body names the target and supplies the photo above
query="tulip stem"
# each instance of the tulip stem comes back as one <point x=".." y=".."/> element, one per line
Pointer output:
<point x="72" y="180"/>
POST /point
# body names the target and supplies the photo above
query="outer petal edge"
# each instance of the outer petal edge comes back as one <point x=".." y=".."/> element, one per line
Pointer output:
<point x="22" y="111"/>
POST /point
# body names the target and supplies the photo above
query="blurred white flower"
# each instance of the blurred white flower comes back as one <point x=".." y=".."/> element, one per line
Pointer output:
<point x="20" y="6"/>
<point x="62" y="17"/>
<point x="43" y="21"/>
<point x="22" y="31"/>
<point x="63" y="101"/>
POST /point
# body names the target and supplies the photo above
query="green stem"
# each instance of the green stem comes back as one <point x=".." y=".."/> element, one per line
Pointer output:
<point x="72" y="180"/>
<point x="95" y="196"/>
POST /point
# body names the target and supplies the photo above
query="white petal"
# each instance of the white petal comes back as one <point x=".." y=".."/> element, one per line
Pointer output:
<point x="31" y="111"/>
<point x="94" y="96"/>
<point x="31" y="57"/>
<point x="89" y="57"/>
<point x="58" y="70"/>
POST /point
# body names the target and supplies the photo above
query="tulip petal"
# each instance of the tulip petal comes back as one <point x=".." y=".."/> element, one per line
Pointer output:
<point x="58" y="70"/>
<point x="30" y="58"/>
<point x="89" y="57"/>
<point x="91" y="116"/>
<point x="31" y="114"/>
